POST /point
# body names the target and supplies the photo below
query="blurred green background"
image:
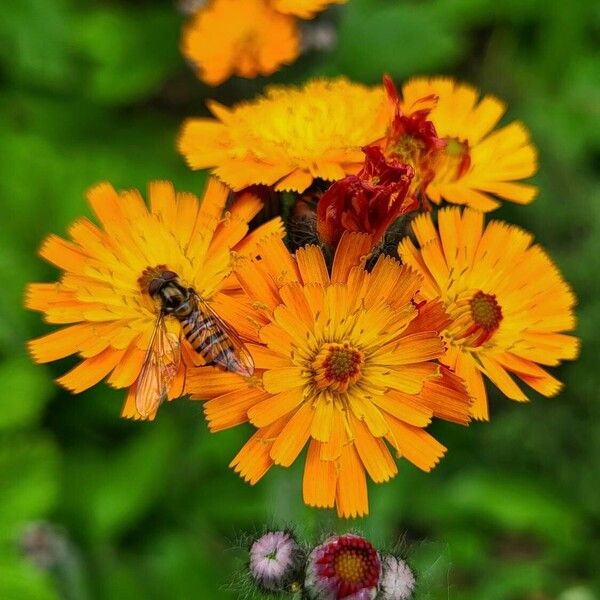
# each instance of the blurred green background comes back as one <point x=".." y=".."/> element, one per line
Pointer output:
<point x="96" y="90"/>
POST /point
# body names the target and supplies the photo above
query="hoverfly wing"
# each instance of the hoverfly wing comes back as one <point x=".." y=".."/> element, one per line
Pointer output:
<point x="225" y="348"/>
<point x="159" y="368"/>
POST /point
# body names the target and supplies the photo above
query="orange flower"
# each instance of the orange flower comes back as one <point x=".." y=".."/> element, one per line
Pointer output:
<point x="109" y="314"/>
<point x="478" y="164"/>
<point x="288" y="137"/>
<point x="508" y="304"/>
<point x="346" y="364"/>
<point x="239" y="37"/>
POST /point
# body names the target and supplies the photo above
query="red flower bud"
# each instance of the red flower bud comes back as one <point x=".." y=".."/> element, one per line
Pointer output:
<point x="368" y="202"/>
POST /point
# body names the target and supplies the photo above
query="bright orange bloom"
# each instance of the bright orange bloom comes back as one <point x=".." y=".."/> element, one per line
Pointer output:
<point x="508" y="303"/>
<point x="479" y="164"/>
<point x="305" y="9"/>
<point x="344" y="363"/>
<point x="109" y="317"/>
<point x="289" y="136"/>
<point x="239" y="37"/>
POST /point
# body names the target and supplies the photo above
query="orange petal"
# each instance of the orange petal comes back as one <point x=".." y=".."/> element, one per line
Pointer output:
<point x="232" y="408"/>
<point x="274" y="407"/>
<point x="279" y="263"/>
<point x="311" y="264"/>
<point x="129" y="367"/>
<point x="254" y="460"/>
<point x="501" y="378"/>
<point x="351" y="494"/>
<point x="352" y="251"/>
<point x="249" y="245"/>
<point x="280" y="380"/>
<point x="208" y="382"/>
<point x="91" y="370"/>
<point x="447" y="397"/>
<point x="406" y="407"/>
<point x="256" y="283"/>
<point x="60" y="343"/>
<point x="162" y="202"/>
<point x="65" y="255"/>
<point x="412" y="348"/>
<point x="332" y="449"/>
<point x="129" y="410"/>
<point x="296" y="181"/>
<point x="320" y="479"/>
<point x="468" y="371"/>
<point x="293" y="436"/>
<point x="363" y="408"/>
<point x="414" y="444"/>
<point x="372" y="452"/>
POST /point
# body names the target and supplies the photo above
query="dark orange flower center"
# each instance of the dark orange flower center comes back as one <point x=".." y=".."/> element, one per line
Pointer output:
<point x="486" y="311"/>
<point x="475" y="318"/>
<point x="337" y="366"/>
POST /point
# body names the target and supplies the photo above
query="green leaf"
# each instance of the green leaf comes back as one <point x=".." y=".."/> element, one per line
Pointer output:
<point x="30" y="388"/>
<point x="400" y="39"/>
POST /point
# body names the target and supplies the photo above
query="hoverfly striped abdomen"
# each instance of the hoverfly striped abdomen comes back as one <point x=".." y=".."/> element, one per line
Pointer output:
<point x="205" y="331"/>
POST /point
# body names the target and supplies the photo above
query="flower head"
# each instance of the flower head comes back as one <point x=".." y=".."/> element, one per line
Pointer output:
<point x="411" y="138"/>
<point x="275" y="560"/>
<point x="305" y="9"/>
<point x="397" y="579"/>
<point x="478" y="163"/>
<point x="288" y="137"/>
<point x="368" y="202"/>
<point x="345" y="363"/>
<point x="104" y="297"/>
<point x="239" y="37"/>
<point x="509" y="306"/>
<point x="343" y="567"/>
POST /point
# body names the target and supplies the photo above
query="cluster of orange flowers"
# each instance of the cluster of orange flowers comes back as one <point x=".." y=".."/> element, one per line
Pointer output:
<point x="390" y="313"/>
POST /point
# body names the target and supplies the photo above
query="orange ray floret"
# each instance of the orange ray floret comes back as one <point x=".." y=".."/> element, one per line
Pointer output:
<point x="480" y="163"/>
<point x="239" y="37"/>
<point x="288" y="137"/>
<point x="108" y="315"/>
<point x="508" y="304"/>
<point x="346" y="364"/>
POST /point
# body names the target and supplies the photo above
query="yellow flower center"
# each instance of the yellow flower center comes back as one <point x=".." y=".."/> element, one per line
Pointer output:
<point x="350" y="566"/>
<point x="455" y="161"/>
<point x="475" y="318"/>
<point x="337" y="366"/>
<point x="408" y="149"/>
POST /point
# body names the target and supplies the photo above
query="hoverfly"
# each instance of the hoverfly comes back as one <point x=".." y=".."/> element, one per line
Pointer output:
<point x="206" y="332"/>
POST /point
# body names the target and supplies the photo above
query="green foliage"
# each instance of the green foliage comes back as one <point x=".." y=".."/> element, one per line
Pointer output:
<point x="96" y="91"/>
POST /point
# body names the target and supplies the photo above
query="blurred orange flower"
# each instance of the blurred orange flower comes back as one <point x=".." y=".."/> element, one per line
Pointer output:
<point x="239" y="37"/>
